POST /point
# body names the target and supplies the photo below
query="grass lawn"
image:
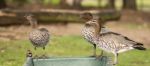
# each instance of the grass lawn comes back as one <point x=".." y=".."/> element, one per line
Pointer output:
<point x="12" y="53"/>
<point x="142" y="4"/>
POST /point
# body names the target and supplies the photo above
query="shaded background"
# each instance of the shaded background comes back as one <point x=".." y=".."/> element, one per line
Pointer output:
<point x="61" y="18"/>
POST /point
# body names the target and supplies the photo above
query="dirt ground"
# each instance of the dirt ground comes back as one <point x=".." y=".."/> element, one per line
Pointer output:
<point x="137" y="32"/>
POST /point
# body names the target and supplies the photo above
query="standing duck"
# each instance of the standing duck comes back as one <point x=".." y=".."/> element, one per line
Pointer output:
<point x="39" y="37"/>
<point x="87" y="32"/>
<point x="107" y="41"/>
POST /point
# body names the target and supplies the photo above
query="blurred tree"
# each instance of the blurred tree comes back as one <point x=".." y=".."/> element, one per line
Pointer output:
<point x="16" y="3"/>
<point x="129" y="4"/>
<point x="37" y="4"/>
<point x="77" y="3"/>
<point x="99" y="3"/>
<point x="111" y="4"/>
<point x="2" y="4"/>
<point x="20" y="3"/>
<point x="47" y="2"/>
<point x="63" y="3"/>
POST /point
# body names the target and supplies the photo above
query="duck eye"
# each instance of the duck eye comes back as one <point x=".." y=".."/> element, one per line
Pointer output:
<point x="94" y="21"/>
<point x="87" y="24"/>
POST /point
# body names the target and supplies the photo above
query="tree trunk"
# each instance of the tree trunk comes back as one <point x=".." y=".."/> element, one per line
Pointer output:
<point x="111" y="4"/>
<point x="77" y="3"/>
<point x="99" y="3"/>
<point x="63" y="3"/>
<point x="129" y="4"/>
<point x="2" y="4"/>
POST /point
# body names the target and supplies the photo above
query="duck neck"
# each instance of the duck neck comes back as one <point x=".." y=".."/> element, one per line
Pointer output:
<point x="33" y="23"/>
<point x="97" y="30"/>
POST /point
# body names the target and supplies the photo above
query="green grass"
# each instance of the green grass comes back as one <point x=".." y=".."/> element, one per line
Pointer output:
<point x="134" y="58"/>
<point x="103" y="3"/>
<point x="12" y="53"/>
<point x="140" y="3"/>
<point x="53" y="2"/>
